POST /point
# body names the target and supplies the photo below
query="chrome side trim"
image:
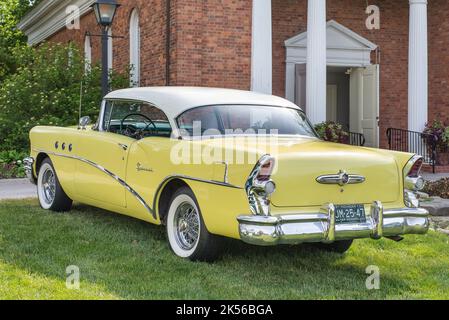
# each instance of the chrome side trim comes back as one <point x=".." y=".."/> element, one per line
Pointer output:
<point x="184" y="177"/>
<point x="109" y="173"/>
<point x="152" y="211"/>
<point x="342" y="178"/>
<point x="225" y="176"/>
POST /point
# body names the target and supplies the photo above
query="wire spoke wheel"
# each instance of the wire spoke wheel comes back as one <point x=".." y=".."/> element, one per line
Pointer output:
<point x="187" y="234"/>
<point x="50" y="193"/>
<point x="48" y="186"/>
<point x="186" y="226"/>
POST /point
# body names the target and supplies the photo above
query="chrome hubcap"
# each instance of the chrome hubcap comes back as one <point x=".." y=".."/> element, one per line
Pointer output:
<point x="187" y="226"/>
<point x="48" y="186"/>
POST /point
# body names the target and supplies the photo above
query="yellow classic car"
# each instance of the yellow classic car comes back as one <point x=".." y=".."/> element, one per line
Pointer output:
<point x="212" y="163"/>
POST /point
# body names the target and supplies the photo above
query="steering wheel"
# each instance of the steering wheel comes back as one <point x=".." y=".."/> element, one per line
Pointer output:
<point x="137" y="132"/>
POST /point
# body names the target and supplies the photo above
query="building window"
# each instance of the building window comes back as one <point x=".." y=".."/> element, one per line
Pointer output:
<point x="110" y="50"/>
<point x="134" y="48"/>
<point x="87" y="53"/>
<point x="70" y="54"/>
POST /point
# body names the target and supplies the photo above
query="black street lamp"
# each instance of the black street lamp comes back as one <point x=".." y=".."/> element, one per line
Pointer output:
<point x="105" y="12"/>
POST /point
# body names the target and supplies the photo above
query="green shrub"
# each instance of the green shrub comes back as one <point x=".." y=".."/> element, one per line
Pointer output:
<point x="438" y="188"/>
<point x="11" y="164"/>
<point x="45" y="90"/>
<point x="331" y="131"/>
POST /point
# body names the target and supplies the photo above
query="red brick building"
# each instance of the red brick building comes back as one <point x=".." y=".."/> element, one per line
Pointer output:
<point x="327" y="56"/>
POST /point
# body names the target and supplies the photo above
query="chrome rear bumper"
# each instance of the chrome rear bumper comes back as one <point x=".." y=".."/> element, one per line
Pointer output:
<point x="321" y="226"/>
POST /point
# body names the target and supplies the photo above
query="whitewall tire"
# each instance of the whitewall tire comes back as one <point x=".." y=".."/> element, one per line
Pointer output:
<point x="49" y="191"/>
<point x="186" y="232"/>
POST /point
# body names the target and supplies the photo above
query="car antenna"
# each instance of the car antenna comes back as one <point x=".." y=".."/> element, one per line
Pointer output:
<point x="81" y="102"/>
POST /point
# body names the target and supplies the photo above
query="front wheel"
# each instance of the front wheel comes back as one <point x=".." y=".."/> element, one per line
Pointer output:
<point x="49" y="191"/>
<point x="186" y="231"/>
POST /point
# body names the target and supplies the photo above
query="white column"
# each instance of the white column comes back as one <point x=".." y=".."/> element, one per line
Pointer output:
<point x="418" y="66"/>
<point x="316" y="61"/>
<point x="262" y="54"/>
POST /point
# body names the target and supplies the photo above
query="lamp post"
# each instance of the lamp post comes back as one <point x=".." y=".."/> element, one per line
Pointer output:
<point x="105" y="12"/>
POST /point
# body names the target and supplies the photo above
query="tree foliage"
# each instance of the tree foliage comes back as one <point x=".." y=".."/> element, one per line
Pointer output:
<point x="11" y="11"/>
<point x="45" y="90"/>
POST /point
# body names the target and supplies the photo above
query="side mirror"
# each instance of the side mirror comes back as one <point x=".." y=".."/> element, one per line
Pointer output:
<point x="84" y="121"/>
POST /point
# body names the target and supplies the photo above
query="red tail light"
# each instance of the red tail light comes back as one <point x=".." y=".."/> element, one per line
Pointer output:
<point x="415" y="169"/>
<point x="266" y="170"/>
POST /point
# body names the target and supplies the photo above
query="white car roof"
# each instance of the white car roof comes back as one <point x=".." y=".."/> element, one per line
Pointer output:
<point x="175" y="100"/>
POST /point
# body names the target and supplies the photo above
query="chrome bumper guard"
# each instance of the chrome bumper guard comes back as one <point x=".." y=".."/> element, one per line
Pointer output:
<point x="321" y="226"/>
<point x="28" y="166"/>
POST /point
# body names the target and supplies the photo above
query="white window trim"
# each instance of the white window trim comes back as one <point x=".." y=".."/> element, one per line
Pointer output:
<point x="134" y="47"/>
<point x="87" y="53"/>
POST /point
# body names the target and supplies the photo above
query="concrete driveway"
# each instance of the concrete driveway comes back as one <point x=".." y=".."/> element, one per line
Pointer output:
<point x="17" y="189"/>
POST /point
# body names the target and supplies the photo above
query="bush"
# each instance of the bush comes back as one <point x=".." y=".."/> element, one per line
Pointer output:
<point x="441" y="133"/>
<point x="438" y="188"/>
<point x="45" y="90"/>
<point x="333" y="132"/>
<point x="11" y="164"/>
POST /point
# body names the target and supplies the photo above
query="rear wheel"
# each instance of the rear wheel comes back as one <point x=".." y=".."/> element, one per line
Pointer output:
<point x="337" y="246"/>
<point x="50" y="193"/>
<point x="186" y="231"/>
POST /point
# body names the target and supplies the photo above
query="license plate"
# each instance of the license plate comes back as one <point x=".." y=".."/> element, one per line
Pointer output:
<point x="350" y="213"/>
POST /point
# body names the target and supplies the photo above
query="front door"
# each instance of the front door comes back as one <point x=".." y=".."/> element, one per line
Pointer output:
<point x="102" y="166"/>
<point x="364" y="103"/>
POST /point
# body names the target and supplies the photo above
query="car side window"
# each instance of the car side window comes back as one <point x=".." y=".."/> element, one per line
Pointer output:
<point x="196" y="121"/>
<point x="135" y="119"/>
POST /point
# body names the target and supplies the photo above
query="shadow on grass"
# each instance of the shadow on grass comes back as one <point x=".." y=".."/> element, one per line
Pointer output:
<point x="131" y="259"/>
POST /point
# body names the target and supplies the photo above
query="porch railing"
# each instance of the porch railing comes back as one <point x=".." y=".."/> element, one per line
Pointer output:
<point x="356" y="139"/>
<point x="414" y="142"/>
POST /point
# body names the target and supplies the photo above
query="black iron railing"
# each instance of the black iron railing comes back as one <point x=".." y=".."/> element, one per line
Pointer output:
<point x="415" y="142"/>
<point x="356" y="139"/>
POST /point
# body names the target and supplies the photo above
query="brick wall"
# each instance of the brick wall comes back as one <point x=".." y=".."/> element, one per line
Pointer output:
<point x="290" y="18"/>
<point x="213" y="43"/>
<point x="152" y="31"/>
<point x="210" y="41"/>
<point x="438" y="60"/>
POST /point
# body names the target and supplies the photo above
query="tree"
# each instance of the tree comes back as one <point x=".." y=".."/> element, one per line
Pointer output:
<point x="11" y="11"/>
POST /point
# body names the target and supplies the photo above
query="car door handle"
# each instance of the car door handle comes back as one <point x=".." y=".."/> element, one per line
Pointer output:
<point x="123" y="146"/>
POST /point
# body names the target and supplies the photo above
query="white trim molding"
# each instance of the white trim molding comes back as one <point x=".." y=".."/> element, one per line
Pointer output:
<point x="344" y="48"/>
<point x="87" y="53"/>
<point x="418" y="66"/>
<point x="262" y="53"/>
<point x="49" y="17"/>
<point x="134" y="47"/>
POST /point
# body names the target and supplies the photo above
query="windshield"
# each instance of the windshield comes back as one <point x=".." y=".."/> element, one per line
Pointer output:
<point x="244" y="119"/>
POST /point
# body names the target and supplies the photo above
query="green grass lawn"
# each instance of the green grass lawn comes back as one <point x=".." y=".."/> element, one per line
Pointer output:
<point x="122" y="258"/>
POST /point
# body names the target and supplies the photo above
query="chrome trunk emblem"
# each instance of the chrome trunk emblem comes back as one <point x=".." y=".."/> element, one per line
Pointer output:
<point x="342" y="178"/>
